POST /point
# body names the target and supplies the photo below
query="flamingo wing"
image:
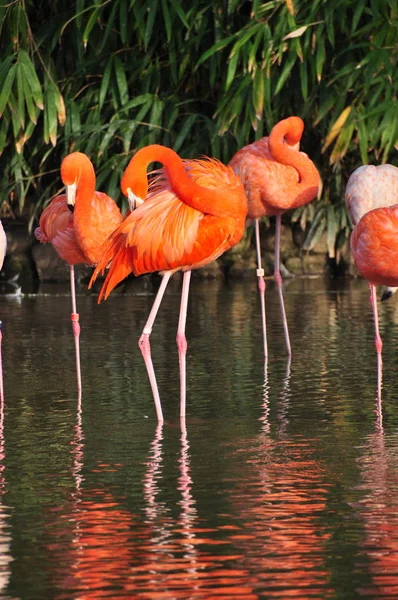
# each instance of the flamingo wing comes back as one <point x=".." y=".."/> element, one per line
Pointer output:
<point x="374" y="245"/>
<point x="104" y="218"/>
<point x="56" y="227"/>
<point x="268" y="184"/>
<point x="371" y="187"/>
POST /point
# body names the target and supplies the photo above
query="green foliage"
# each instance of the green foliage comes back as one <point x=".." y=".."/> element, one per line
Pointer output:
<point x="107" y="77"/>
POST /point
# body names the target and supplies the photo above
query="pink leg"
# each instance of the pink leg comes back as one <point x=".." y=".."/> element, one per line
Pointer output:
<point x="1" y="367"/>
<point x="182" y="340"/>
<point x="145" y="345"/>
<point x="261" y="287"/>
<point x="75" y="327"/>
<point x="378" y="342"/>
<point x="278" y="281"/>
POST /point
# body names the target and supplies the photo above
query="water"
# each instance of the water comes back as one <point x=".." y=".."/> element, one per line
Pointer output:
<point x="280" y="486"/>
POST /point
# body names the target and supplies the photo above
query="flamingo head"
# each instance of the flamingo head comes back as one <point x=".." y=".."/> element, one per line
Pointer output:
<point x="133" y="186"/>
<point x="71" y="172"/>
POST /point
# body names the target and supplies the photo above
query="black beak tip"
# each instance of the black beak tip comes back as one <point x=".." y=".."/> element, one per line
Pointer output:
<point x="386" y="295"/>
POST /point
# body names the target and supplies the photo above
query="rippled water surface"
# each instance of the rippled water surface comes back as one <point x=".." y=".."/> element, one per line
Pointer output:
<point x="280" y="485"/>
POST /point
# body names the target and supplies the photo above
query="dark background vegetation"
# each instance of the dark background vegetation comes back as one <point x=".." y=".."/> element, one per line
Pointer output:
<point x="204" y="77"/>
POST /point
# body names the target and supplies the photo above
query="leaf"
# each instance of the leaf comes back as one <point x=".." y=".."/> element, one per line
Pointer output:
<point x="20" y="95"/>
<point x="216" y="48"/>
<point x="243" y="39"/>
<point x="105" y="82"/>
<point x="363" y="140"/>
<point x="121" y="80"/>
<point x="176" y="4"/>
<point x="32" y="78"/>
<point x="287" y="68"/>
<point x="320" y="59"/>
<point x="123" y="20"/>
<point x="304" y="80"/>
<point x="296" y="33"/>
<point x="290" y="6"/>
<point x="184" y="131"/>
<point x="233" y="63"/>
<point x="258" y="93"/>
<point x="4" y="126"/>
<point x="90" y="24"/>
<point x="152" y="10"/>
<point x="50" y="114"/>
<point x="6" y="88"/>
<point x="336" y="128"/>
<point x="315" y="232"/>
<point x="166" y="18"/>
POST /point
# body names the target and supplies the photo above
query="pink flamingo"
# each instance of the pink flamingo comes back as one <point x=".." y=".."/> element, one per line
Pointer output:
<point x="277" y="177"/>
<point x="194" y="212"/>
<point x="369" y="197"/>
<point x="76" y="224"/>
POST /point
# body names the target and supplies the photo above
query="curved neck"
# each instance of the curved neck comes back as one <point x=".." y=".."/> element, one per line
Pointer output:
<point x="194" y="195"/>
<point x="85" y="189"/>
<point x="285" y="134"/>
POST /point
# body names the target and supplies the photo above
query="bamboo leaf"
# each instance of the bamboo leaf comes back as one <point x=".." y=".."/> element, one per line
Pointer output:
<point x="296" y="33"/>
<point x="166" y="18"/>
<point x="6" y="88"/>
<point x="121" y="80"/>
<point x="176" y="4"/>
<point x="184" y="131"/>
<point x="290" y="6"/>
<point x="32" y="78"/>
<point x="258" y="93"/>
<point x="287" y="68"/>
<point x="105" y="82"/>
<point x="152" y="10"/>
<point x="90" y="24"/>
<point x="363" y="140"/>
<point x="320" y="59"/>
<point x="123" y="20"/>
<point x="216" y="48"/>
<point x="20" y="95"/>
<point x="336" y="128"/>
<point x="233" y="63"/>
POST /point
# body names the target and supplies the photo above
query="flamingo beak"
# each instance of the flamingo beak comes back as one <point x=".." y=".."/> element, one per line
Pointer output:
<point x="134" y="201"/>
<point x="71" y="195"/>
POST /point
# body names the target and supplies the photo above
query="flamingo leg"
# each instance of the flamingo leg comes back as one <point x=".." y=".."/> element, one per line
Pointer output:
<point x="75" y="327"/>
<point x="278" y="281"/>
<point x="145" y="346"/>
<point x="378" y="341"/>
<point x="261" y="288"/>
<point x="182" y="341"/>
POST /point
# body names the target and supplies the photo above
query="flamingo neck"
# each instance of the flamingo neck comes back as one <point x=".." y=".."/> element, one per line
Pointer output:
<point x="82" y="214"/>
<point x="283" y="136"/>
<point x="206" y="200"/>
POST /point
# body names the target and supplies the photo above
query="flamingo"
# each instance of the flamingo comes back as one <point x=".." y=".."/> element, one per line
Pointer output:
<point x="276" y="177"/>
<point x="3" y="250"/>
<point x="372" y="187"/>
<point x="76" y="224"/>
<point x="370" y="194"/>
<point x="195" y="211"/>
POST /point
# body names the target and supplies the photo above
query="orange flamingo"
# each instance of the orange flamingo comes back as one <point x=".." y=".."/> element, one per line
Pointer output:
<point x="370" y="194"/>
<point x="76" y="224"/>
<point x="276" y="177"/>
<point x="195" y="211"/>
<point x="3" y="250"/>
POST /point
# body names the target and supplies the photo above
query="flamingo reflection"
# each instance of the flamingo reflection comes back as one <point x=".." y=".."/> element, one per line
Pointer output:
<point x="278" y="503"/>
<point x="379" y="510"/>
<point x="5" y="538"/>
